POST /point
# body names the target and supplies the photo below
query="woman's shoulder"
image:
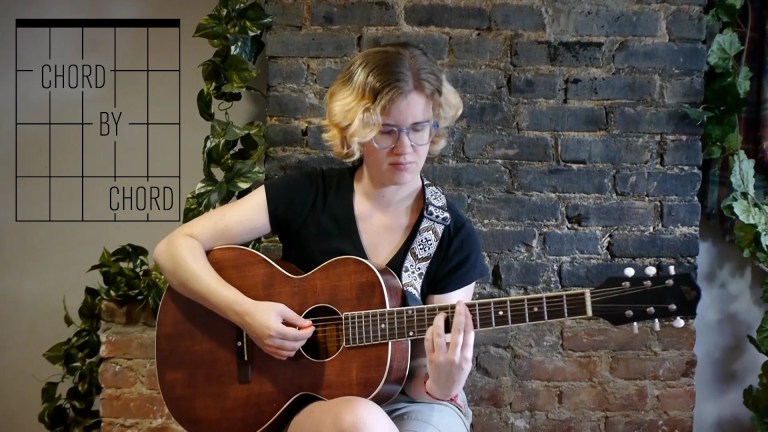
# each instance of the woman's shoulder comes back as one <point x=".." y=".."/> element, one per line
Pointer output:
<point x="308" y="177"/>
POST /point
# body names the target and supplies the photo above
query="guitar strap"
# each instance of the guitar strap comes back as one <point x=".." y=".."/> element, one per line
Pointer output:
<point x="436" y="218"/>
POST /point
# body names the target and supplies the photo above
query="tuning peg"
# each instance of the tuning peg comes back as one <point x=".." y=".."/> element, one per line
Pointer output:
<point x="671" y="270"/>
<point x="634" y="328"/>
<point x="650" y="271"/>
<point x="629" y="272"/>
<point x="678" y="323"/>
<point x="656" y="325"/>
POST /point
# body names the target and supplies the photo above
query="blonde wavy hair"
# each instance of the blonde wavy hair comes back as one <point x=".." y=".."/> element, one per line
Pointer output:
<point x="370" y="83"/>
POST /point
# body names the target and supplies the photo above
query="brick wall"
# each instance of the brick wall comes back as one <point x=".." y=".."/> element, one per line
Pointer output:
<point x="573" y="158"/>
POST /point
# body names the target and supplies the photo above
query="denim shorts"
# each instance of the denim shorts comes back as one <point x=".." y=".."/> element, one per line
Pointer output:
<point x="411" y="415"/>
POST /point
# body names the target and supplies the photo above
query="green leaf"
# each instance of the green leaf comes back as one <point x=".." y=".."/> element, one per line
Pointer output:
<point x="242" y="175"/>
<point x="67" y="318"/>
<point x="218" y="129"/>
<point x="240" y="45"/>
<point x="55" y="354"/>
<point x="239" y="73"/>
<point x="727" y="10"/>
<point x="724" y="47"/>
<point x="760" y="341"/>
<point x="747" y="213"/>
<point x="212" y="72"/>
<point x="233" y="132"/>
<point x="192" y="208"/>
<point x="743" y="173"/>
<point x="712" y="151"/>
<point x="742" y="82"/>
<point x="732" y="142"/>
<point x="218" y="154"/>
<point x="48" y="392"/>
<point x="698" y="114"/>
<point x="764" y="295"/>
<point x="205" y="186"/>
<point x="210" y="27"/>
<point x="254" y="140"/>
<point x="723" y="91"/>
<point x="205" y="105"/>
<point x="255" y="18"/>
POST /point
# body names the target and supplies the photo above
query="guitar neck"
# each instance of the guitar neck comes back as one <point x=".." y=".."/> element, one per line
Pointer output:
<point x="384" y="325"/>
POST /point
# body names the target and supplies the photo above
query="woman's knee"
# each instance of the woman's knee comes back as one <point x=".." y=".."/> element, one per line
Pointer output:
<point x="344" y="414"/>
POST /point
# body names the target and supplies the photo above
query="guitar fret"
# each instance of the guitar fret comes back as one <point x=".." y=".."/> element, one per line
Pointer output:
<point x="426" y="318"/>
<point x="396" y="329"/>
<point x="509" y="313"/>
<point x="345" y="321"/>
<point x="544" y="305"/>
<point x="360" y="329"/>
<point x="477" y="315"/>
<point x="412" y="312"/>
<point x="357" y="328"/>
<point x="565" y="306"/>
<point x="525" y="302"/>
<point x="370" y="327"/>
<point x="493" y="316"/>
<point x="383" y="331"/>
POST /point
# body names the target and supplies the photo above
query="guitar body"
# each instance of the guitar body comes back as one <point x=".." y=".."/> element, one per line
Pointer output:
<point x="213" y="379"/>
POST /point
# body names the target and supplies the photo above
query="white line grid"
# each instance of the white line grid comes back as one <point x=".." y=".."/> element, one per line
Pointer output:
<point x="98" y="132"/>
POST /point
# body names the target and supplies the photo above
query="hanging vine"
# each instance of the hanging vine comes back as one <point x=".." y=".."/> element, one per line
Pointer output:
<point x="727" y="83"/>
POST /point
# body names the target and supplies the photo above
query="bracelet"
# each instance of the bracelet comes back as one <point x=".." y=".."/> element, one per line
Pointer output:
<point x="453" y="399"/>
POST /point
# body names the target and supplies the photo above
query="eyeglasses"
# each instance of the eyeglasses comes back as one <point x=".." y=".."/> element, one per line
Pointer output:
<point x="419" y="134"/>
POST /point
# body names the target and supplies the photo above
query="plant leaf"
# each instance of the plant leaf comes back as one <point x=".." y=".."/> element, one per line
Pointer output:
<point x="67" y="318"/>
<point x="48" y="392"/>
<point x="55" y="354"/>
<point x="742" y="82"/>
<point x="255" y="18"/>
<point x="205" y="105"/>
<point x="746" y="212"/>
<point x="724" y="47"/>
<point x="210" y="27"/>
<point x="743" y="173"/>
<point x="760" y="341"/>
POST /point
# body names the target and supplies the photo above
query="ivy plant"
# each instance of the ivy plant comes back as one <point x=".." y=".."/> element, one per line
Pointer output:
<point x="231" y="152"/>
<point x="727" y="82"/>
<point x="231" y="164"/>
<point x="127" y="277"/>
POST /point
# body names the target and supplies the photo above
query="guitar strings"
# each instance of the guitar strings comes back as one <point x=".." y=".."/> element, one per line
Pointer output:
<point x="596" y="294"/>
<point x="333" y="325"/>
<point x="486" y="304"/>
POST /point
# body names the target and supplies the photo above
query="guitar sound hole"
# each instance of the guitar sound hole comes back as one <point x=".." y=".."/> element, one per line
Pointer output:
<point x="328" y="337"/>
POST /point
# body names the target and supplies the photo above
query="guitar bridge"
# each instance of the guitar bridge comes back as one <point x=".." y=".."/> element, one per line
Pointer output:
<point x="243" y="354"/>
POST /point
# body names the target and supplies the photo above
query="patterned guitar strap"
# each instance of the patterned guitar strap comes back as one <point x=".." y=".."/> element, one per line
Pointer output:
<point x="435" y="219"/>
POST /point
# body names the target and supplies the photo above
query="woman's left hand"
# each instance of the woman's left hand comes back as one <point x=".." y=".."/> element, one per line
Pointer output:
<point x="449" y="363"/>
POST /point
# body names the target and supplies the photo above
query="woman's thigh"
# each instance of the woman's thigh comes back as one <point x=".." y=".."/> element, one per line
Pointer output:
<point x="410" y="415"/>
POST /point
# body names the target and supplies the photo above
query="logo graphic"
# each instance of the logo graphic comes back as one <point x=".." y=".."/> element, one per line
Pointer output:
<point x="98" y="131"/>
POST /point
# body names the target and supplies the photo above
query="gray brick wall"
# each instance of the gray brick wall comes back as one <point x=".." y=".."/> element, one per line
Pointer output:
<point x="573" y="157"/>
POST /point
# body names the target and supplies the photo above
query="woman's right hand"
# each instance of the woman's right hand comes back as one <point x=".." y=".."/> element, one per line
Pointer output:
<point x="275" y="328"/>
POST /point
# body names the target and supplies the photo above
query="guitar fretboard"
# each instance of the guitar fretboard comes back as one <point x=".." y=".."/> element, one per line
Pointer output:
<point x="383" y="325"/>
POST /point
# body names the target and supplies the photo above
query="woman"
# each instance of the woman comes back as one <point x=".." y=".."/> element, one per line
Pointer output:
<point x="385" y="114"/>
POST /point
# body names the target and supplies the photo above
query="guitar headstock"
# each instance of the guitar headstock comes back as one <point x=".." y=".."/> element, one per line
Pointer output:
<point x="631" y="299"/>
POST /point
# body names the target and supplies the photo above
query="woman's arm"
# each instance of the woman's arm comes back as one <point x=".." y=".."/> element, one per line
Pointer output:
<point x="182" y="259"/>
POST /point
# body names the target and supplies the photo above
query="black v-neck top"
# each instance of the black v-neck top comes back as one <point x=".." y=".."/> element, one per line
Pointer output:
<point x="312" y="213"/>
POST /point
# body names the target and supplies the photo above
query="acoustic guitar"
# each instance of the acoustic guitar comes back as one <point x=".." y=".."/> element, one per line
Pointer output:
<point x="213" y="378"/>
